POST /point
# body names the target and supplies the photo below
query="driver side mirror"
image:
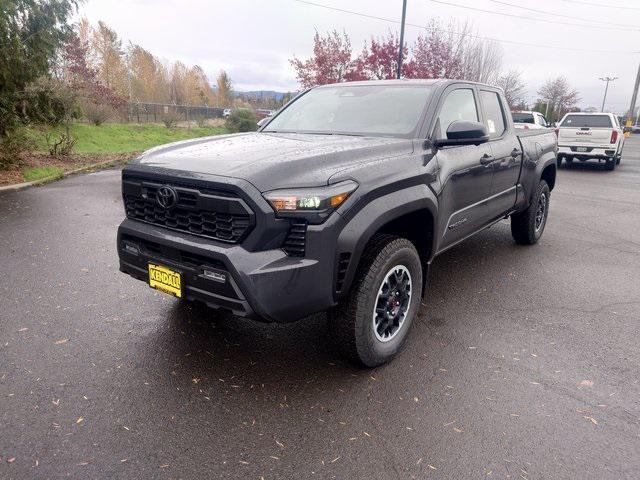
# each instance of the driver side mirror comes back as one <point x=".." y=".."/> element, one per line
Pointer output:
<point x="463" y="132"/>
<point x="263" y="121"/>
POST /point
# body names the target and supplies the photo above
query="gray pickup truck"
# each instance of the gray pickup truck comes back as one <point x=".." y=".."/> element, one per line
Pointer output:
<point x="339" y="203"/>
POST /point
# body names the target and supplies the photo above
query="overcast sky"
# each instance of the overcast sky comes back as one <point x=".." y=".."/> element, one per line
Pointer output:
<point x="253" y="40"/>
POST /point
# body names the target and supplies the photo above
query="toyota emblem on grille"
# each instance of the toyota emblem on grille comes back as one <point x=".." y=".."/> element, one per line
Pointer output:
<point x="167" y="197"/>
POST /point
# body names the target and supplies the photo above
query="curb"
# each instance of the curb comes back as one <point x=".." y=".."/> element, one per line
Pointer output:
<point x="42" y="181"/>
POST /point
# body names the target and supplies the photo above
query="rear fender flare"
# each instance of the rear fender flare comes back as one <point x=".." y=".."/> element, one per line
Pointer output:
<point x="531" y="176"/>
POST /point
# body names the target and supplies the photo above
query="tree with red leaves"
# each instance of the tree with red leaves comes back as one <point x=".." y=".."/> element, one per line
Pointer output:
<point x="452" y="52"/>
<point x="82" y="78"/>
<point x="331" y="61"/>
<point x="379" y="59"/>
<point x="437" y="55"/>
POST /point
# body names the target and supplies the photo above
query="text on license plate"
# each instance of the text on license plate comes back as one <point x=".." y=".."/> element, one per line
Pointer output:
<point x="165" y="280"/>
<point x="581" y="149"/>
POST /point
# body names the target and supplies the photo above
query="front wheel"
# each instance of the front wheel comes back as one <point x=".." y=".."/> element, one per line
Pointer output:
<point x="527" y="227"/>
<point x="372" y="324"/>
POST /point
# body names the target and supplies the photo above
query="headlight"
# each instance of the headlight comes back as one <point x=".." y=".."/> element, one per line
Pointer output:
<point x="314" y="204"/>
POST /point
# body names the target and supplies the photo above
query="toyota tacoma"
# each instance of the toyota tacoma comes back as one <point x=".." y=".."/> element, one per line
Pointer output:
<point x="339" y="203"/>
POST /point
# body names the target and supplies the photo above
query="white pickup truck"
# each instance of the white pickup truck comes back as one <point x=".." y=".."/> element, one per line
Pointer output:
<point x="528" y="120"/>
<point x="590" y="136"/>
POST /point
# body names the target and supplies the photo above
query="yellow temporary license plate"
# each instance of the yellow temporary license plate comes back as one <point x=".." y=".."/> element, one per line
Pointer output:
<point x="166" y="280"/>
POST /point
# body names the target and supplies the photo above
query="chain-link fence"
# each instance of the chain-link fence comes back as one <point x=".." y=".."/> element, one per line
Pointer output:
<point x="155" y="112"/>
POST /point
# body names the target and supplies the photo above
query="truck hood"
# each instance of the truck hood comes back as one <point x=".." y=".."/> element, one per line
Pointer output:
<point x="271" y="160"/>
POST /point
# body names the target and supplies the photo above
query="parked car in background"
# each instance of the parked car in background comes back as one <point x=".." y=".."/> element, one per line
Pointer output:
<point x="339" y="203"/>
<point x="226" y="112"/>
<point x="590" y="136"/>
<point x="528" y="120"/>
<point x="263" y="113"/>
<point x="635" y="129"/>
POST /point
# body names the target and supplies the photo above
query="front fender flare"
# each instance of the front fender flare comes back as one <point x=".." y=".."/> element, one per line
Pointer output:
<point x="374" y="215"/>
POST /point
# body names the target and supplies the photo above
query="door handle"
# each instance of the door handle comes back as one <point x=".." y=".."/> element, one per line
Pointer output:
<point x="486" y="159"/>
<point x="515" y="153"/>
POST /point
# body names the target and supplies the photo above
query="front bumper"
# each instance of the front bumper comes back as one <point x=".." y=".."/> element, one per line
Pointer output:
<point x="266" y="285"/>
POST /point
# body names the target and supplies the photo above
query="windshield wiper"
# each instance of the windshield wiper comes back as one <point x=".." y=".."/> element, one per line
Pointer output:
<point x="334" y="133"/>
<point x="315" y="133"/>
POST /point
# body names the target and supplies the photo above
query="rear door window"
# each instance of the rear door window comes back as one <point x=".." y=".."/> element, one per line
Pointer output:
<point x="493" y="114"/>
<point x="590" y="121"/>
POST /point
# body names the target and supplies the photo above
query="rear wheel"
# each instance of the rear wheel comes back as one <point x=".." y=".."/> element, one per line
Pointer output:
<point x="372" y="324"/>
<point x="610" y="164"/>
<point x="527" y="227"/>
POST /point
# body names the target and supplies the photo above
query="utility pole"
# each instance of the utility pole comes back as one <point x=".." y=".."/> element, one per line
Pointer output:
<point x="404" y="16"/>
<point x="606" y="79"/>
<point x="634" y="97"/>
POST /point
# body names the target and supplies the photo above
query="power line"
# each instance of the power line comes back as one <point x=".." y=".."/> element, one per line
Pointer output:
<point x="546" y="12"/>
<point x="602" y="5"/>
<point x="479" y="37"/>
<point x="493" y="12"/>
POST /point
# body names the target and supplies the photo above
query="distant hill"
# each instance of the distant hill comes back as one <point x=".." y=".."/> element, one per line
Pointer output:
<point x="262" y="94"/>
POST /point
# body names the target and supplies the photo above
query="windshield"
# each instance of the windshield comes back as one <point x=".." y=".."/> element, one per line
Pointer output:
<point x="360" y="110"/>
<point x="592" y="121"/>
<point x="522" y="117"/>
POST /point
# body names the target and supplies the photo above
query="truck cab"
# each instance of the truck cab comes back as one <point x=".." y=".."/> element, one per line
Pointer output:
<point x="529" y="120"/>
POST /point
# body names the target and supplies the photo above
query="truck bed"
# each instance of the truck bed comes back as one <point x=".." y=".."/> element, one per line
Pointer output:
<point x="533" y="132"/>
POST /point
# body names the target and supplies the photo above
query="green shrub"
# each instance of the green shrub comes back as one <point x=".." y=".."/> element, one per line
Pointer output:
<point x="201" y="121"/>
<point x="12" y="145"/>
<point x="97" y="113"/>
<point x="171" y="119"/>
<point x="49" y="102"/>
<point x="59" y="143"/>
<point x="39" y="173"/>
<point x="241" y="121"/>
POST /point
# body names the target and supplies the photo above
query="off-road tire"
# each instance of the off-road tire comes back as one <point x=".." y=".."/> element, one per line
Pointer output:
<point x="351" y="323"/>
<point x="524" y="227"/>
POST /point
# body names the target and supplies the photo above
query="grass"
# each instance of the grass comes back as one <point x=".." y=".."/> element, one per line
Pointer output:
<point x="40" y="173"/>
<point x="125" y="138"/>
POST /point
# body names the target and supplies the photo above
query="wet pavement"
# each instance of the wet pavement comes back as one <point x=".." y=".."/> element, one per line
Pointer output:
<point x="525" y="361"/>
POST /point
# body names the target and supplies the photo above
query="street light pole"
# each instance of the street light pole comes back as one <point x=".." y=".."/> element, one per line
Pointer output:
<point x="634" y="97"/>
<point x="606" y="79"/>
<point x="404" y="15"/>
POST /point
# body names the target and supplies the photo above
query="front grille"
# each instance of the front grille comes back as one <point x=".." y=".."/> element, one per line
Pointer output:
<point x="294" y="243"/>
<point x="162" y="252"/>
<point x="197" y="211"/>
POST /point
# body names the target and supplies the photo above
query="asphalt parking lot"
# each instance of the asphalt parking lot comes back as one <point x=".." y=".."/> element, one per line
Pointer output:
<point x="525" y="362"/>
